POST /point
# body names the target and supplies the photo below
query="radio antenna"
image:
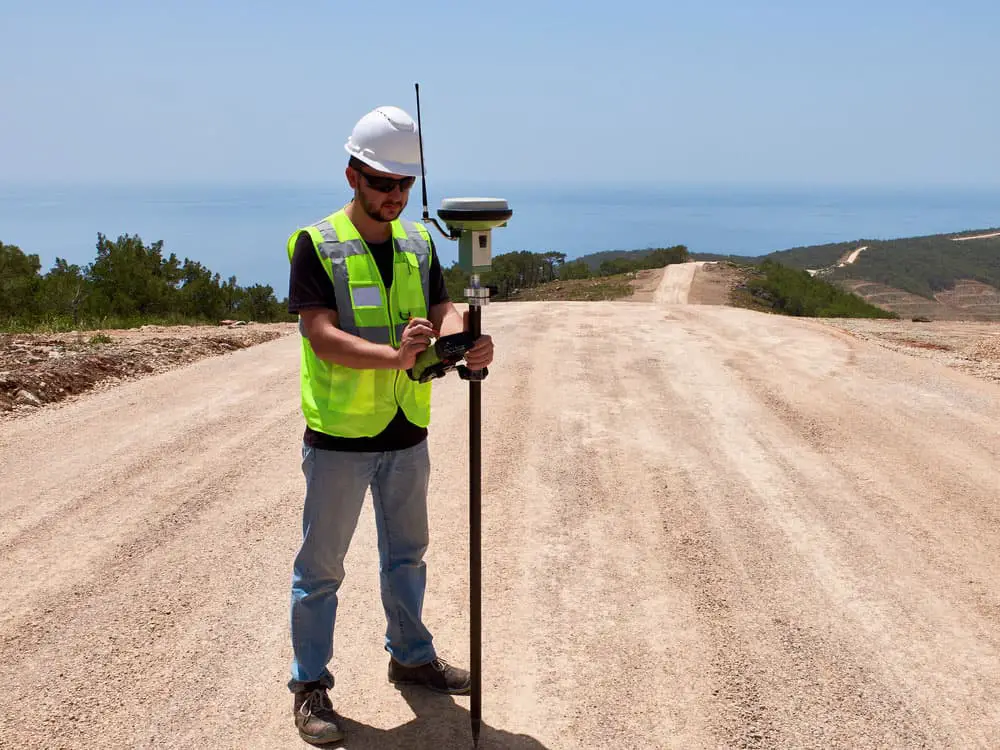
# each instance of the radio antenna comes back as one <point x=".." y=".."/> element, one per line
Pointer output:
<point x="423" y="178"/>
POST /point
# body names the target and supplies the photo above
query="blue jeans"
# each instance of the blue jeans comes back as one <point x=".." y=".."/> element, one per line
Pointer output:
<point x="335" y="491"/>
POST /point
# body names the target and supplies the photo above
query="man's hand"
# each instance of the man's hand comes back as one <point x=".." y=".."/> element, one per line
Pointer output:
<point x="481" y="353"/>
<point x="416" y="338"/>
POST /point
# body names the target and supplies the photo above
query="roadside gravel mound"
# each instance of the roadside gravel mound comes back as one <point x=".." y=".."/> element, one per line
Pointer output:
<point x="39" y="369"/>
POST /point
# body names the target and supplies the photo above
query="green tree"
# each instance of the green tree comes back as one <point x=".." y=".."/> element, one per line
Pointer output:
<point x="505" y="274"/>
<point x="553" y="262"/>
<point x="129" y="282"/>
<point x="259" y="304"/>
<point x="455" y="280"/>
<point x="65" y="290"/>
<point x="200" y="294"/>
<point x="232" y="296"/>
<point x="664" y="256"/>
<point x="577" y="269"/>
<point x="19" y="282"/>
<point x="131" y="278"/>
<point x="616" y="266"/>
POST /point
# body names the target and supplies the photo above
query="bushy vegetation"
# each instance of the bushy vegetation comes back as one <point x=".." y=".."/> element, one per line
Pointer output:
<point x="131" y="283"/>
<point x="128" y="284"/>
<point x="612" y="262"/>
<point x="791" y="291"/>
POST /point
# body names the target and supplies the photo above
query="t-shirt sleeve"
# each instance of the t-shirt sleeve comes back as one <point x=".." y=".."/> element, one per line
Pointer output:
<point x="308" y="284"/>
<point x="438" y="290"/>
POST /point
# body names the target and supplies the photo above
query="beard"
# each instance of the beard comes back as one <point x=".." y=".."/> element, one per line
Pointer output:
<point x="383" y="214"/>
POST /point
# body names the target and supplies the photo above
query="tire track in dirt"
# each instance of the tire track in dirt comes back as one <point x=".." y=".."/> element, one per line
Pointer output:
<point x="736" y="557"/>
<point x="890" y="511"/>
<point x="633" y="643"/>
<point x="513" y="509"/>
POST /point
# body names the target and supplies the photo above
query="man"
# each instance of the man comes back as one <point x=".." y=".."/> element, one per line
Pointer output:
<point x="370" y="295"/>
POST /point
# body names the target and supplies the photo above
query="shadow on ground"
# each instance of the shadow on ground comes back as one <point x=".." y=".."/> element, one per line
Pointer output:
<point x="440" y="724"/>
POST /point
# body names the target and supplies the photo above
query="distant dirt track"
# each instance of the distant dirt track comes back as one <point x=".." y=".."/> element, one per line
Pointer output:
<point x="703" y="528"/>
<point x="676" y="283"/>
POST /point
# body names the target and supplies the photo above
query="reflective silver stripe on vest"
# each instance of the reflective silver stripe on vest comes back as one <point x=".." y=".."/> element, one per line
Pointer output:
<point x="377" y="335"/>
<point x="326" y="229"/>
<point x="337" y="252"/>
<point x="415" y="243"/>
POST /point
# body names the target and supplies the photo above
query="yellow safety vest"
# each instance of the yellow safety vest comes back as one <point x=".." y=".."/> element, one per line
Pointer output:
<point x="344" y="401"/>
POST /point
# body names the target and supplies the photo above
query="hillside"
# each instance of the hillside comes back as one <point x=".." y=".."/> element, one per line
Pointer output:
<point x="773" y="287"/>
<point x="944" y="276"/>
<point x="954" y="276"/>
<point x="919" y="265"/>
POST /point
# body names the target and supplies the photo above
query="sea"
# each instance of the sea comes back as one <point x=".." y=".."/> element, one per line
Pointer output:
<point x="241" y="230"/>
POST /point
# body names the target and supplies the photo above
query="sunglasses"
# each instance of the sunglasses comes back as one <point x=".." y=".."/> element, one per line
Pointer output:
<point x="387" y="184"/>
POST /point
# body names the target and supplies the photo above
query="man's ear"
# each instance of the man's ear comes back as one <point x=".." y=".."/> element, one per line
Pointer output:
<point x="352" y="177"/>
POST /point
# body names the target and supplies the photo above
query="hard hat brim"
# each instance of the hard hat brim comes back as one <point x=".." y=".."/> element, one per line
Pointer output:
<point x="389" y="167"/>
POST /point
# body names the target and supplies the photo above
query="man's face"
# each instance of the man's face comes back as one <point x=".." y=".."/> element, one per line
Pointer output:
<point x="369" y="191"/>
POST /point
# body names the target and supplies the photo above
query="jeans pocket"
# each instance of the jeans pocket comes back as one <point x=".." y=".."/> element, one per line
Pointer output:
<point x="308" y="461"/>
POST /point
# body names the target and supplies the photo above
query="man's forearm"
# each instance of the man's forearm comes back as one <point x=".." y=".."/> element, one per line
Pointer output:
<point x="451" y="321"/>
<point x="333" y="345"/>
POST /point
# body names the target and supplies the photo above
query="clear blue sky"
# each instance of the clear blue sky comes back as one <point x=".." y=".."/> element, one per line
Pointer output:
<point x="863" y="93"/>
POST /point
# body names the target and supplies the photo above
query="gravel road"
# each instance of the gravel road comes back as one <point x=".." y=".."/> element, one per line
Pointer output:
<point x="703" y="528"/>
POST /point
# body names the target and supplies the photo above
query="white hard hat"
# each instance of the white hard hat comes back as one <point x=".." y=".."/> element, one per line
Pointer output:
<point x="386" y="139"/>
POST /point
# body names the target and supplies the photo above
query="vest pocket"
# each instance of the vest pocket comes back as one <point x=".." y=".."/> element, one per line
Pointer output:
<point x="364" y="294"/>
<point x="352" y="391"/>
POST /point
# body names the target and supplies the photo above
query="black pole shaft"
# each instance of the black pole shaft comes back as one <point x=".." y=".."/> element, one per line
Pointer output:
<point x="475" y="533"/>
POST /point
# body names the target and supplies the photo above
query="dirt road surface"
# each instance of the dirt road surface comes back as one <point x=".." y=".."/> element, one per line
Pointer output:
<point x="703" y="528"/>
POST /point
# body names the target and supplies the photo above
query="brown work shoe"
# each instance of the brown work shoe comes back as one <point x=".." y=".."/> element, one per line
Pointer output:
<point x="314" y="717"/>
<point x="437" y="675"/>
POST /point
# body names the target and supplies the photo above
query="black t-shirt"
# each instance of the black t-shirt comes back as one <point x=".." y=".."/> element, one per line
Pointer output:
<point x="311" y="287"/>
